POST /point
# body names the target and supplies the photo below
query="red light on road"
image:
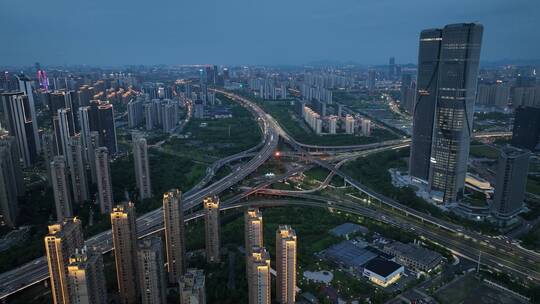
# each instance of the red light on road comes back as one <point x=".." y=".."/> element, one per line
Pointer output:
<point x="277" y="154"/>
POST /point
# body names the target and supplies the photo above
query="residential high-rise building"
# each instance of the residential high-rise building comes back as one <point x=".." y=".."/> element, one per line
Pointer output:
<point x="149" y="116"/>
<point x="142" y="168"/>
<point x="25" y="85"/>
<point x="103" y="180"/>
<point x="86" y="277"/>
<point x="426" y="99"/>
<point x="192" y="287"/>
<point x="175" y="240"/>
<point x="526" y="132"/>
<point x="61" y="242"/>
<point x="20" y="124"/>
<point x="259" y="276"/>
<point x="285" y="265"/>
<point x="62" y="197"/>
<point x="10" y="181"/>
<point x="151" y="272"/>
<point x="64" y="129"/>
<point x="371" y="80"/>
<point x="453" y="123"/>
<point x="253" y="228"/>
<point x="84" y="125"/>
<point x="365" y="124"/>
<point x="211" y="221"/>
<point x="124" y="232"/>
<point x="135" y="110"/>
<point x="511" y="180"/>
<point x="93" y="144"/>
<point x="48" y="148"/>
<point x="253" y="236"/>
<point x="350" y="124"/>
<point x="77" y="169"/>
<point x="106" y="127"/>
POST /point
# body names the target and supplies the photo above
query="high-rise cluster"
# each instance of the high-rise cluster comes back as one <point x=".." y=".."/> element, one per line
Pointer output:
<point x="258" y="268"/>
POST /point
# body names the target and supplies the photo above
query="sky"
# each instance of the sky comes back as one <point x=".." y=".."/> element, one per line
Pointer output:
<point x="276" y="32"/>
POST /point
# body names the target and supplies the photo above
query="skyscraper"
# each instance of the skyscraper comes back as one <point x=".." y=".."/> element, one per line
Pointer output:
<point x="86" y="277"/>
<point x="526" y="132"/>
<point x="426" y="100"/>
<point x="84" y="124"/>
<point x="175" y="242"/>
<point x="62" y="197"/>
<point x="124" y="232"/>
<point x="61" y="242"/>
<point x="453" y="123"/>
<point x="253" y="228"/>
<point x="64" y="129"/>
<point x="107" y="128"/>
<point x="25" y="85"/>
<point x="93" y="144"/>
<point x="259" y="276"/>
<point x="211" y="221"/>
<point x="285" y="265"/>
<point x="103" y="180"/>
<point x="48" y="148"/>
<point x="371" y="80"/>
<point x="391" y="68"/>
<point x="77" y="169"/>
<point x="20" y="124"/>
<point x="192" y="287"/>
<point x="10" y="181"/>
<point x="151" y="273"/>
<point x="511" y="180"/>
<point x="142" y="168"/>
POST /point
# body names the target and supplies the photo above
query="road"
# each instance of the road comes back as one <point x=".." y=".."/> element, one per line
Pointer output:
<point x="36" y="271"/>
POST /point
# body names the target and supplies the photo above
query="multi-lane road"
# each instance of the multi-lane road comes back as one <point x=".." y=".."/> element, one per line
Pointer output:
<point x="36" y="271"/>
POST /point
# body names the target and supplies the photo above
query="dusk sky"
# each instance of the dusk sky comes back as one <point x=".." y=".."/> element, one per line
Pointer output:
<point x="115" y="32"/>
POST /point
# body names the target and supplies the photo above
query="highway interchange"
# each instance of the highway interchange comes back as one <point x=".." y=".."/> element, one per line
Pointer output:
<point x="498" y="254"/>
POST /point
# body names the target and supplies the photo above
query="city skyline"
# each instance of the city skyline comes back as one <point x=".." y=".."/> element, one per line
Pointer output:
<point x="351" y="32"/>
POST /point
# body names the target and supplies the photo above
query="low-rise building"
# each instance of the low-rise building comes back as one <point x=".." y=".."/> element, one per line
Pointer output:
<point x="414" y="256"/>
<point x="383" y="272"/>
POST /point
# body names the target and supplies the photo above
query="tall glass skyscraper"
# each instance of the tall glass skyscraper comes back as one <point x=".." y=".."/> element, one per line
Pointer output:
<point x="446" y="93"/>
<point x="456" y="92"/>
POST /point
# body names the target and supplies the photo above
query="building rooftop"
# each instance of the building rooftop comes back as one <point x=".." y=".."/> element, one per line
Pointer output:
<point x="415" y="252"/>
<point x="348" y="228"/>
<point x="382" y="267"/>
<point x="349" y="254"/>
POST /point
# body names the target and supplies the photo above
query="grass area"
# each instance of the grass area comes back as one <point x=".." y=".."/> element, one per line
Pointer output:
<point x="531" y="240"/>
<point x="372" y="171"/>
<point x="459" y="290"/>
<point x="220" y="137"/>
<point x="483" y="151"/>
<point x="284" y="114"/>
<point x="317" y="173"/>
<point x="533" y="185"/>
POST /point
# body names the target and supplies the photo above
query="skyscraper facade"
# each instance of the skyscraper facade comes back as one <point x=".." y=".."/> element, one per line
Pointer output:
<point x="20" y="124"/>
<point x="142" y="168"/>
<point x="103" y="180"/>
<point x="211" y="221"/>
<point x="151" y="272"/>
<point x="60" y="184"/>
<point x="526" y="132"/>
<point x="10" y="181"/>
<point x="124" y="232"/>
<point x="511" y="180"/>
<point x="107" y="128"/>
<point x="64" y="129"/>
<point x="25" y="85"/>
<point x="192" y="287"/>
<point x="286" y="265"/>
<point x="453" y="123"/>
<point x="175" y="241"/>
<point x="259" y="276"/>
<point x="86" y="277"/>
<point x="426" y="99"/>
<point x="61" y="242"/>
<point x="77" y="169"/>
